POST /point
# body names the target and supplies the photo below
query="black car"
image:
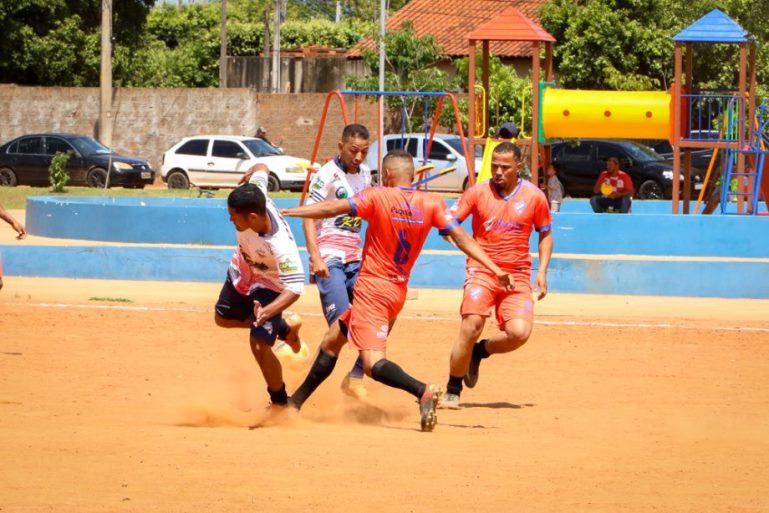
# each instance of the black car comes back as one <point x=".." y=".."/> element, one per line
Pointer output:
<point x="581" y="162"/>
<point x="25" y="161"/>
<point x="700" y="156"/>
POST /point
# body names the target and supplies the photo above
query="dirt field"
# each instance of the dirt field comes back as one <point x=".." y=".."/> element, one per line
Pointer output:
<point x="616" y="404"/>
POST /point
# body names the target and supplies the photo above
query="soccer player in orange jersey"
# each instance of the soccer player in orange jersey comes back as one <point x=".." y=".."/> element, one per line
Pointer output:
<point x="505" y="209"/>
<point x="399" y="220"/>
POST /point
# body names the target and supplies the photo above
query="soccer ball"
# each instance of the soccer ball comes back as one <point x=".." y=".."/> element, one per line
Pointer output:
<point x="286" y="355"/>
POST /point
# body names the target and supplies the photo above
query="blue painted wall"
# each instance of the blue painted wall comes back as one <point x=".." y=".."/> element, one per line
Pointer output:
<point x="712" y="256"/>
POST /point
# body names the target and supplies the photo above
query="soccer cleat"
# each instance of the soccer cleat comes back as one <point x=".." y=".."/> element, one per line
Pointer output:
<point x="294" y="322"/>
<point x="449" y="401"/>
<point x="471" y="378"/>
<point x="353" y="387"/>
<point x="428" y="403"/>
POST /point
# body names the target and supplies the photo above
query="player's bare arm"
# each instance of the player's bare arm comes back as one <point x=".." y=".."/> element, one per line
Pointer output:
<point x="319" y="210"/>
<point x="471" y="248"/>
<point x="283" y="301"/>
<point x="319" y="267"/>
<point x="545" y="251"/>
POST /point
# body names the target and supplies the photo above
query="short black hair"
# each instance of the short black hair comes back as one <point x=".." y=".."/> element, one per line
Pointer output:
<point x="355" y="130"/>
<point x="556" y="166"/>
<point x="613" y="159"/>
<point x="246" y="199"/>
<point x="397" y="155"/>
<point x="508" y="147"/>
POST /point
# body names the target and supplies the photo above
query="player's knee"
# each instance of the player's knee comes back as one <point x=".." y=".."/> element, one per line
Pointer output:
<point x="472" y="327"/>
<point x="517" y="334"/>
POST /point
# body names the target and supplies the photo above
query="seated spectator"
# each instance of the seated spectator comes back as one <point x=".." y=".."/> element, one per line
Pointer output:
<point x="261" y="133"/>
<point x="613" y="189"/>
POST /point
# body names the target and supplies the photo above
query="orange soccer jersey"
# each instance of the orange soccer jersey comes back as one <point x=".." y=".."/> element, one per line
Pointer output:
<point x="502" y="225"/>
<point x="399" y="221"/>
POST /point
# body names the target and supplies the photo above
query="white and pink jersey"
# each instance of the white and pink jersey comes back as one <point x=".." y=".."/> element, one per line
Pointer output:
<point x="270" y="261"/>
<point x="338" y="237"/>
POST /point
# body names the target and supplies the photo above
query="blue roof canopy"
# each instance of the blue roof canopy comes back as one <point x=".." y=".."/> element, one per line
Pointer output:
<point x="714" y="27"/>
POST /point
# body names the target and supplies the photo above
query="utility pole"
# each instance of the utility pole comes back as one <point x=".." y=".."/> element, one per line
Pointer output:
<point x="382" y="33"/>
<point x="276" y="49"/>
<point x="223" y="48"/>
<point x="105" y="77"/>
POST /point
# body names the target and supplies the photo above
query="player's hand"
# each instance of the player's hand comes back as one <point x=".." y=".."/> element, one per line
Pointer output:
<point x="20" y="230"/>
<point x="541" y="286"/>
<point x="246" y="177"/>
<point x="319" y="267"/>
<point x="506" y="281"/>
<point x="259" y="317"/>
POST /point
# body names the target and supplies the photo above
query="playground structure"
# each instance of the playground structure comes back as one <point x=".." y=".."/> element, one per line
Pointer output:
<point x="423" y="172"/>
<point x="680" y="115"/>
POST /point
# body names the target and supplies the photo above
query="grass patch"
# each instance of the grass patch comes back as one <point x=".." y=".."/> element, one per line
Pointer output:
<point x="16" y="197"/>
<point x="111" y="299"/>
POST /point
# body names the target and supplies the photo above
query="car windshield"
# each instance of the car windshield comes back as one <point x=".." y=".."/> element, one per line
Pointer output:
<point x="456" y="145"/>
<point x="89" y="146"/>
<point x="642" y="153"/>
<point x="261" y="148"/>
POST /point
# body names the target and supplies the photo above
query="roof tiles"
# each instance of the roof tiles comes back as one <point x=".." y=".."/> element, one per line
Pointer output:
<point x="450" y="21"/>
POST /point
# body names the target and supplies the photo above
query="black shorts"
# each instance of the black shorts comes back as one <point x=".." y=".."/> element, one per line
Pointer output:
<point x="236" y="306"/>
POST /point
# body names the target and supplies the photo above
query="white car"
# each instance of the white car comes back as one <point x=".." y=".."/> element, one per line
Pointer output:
<point x="214" y="161"/>
<point x="445" y="151"/>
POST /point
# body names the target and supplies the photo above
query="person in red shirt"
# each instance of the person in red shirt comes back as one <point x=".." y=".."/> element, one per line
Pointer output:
<point x="614" y="188"/>
<point x="505" y="209"/>
<point x="399" y="220"/>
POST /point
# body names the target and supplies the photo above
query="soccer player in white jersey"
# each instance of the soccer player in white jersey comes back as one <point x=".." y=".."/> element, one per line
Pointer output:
<point x="265" y="276"/>
<point x="334" y="244"/>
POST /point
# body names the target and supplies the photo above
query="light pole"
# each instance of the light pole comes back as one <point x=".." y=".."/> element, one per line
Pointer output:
<point x="105" y="76"/>
<point x="382" y="31"/>
<point x="276" y="50"/>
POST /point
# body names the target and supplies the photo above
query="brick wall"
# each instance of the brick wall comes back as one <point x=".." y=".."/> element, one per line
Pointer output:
<point x="148" y="121"/>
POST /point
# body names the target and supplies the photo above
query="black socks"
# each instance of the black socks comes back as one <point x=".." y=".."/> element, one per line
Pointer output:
<point x="455" y="385"/>
<point x="280" y="397"/>
<point x="320" y="370"/>
<point x="479" y="350"/>
<point x="390" y="374"/>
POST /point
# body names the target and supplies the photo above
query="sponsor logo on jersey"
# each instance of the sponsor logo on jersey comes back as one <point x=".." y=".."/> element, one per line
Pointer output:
<point x="341" y="193"/>
<point x="288" y="266"/>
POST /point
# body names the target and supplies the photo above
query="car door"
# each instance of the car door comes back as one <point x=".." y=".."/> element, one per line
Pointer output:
<point x="226" y="164"/>
<point x="75" y="168"/>
<point x="578" y="165"/>
<point x="31" y="162"/>
<point x="442" y="156"/>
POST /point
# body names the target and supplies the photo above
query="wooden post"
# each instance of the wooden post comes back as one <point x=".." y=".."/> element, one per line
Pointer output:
<point x="471" y="110"/>
<point x="485" y="78"/>
<point x="534" y="108"/>
<point x="676" y="127"/>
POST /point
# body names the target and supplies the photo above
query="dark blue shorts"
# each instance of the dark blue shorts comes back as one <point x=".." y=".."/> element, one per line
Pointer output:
<point x="234" y="305"/>
<point x="336" y="290"/>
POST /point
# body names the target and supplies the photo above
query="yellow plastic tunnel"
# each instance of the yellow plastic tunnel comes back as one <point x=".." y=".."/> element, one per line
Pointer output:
<point x="605" y="114"/>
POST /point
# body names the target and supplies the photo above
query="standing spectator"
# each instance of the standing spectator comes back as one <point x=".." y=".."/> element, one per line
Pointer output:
<point x="261" y="133"/>
<point x="554" y="187"/>
<point x="613" y="189"/>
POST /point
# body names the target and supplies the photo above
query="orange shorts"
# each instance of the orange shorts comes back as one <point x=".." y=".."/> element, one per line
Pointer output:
<point x="483" y="292"/>
<point x="376" y="304"/>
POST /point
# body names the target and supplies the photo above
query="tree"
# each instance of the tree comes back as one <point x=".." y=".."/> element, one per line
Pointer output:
<point x="56" y="42"/>
<point x="409" y="66"/>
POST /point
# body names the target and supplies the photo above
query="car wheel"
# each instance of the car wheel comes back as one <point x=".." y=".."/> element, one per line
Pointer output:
<point x="273" y="184"/>
<point x="650" y="189"/>
<point x="97" y="177"/>
<point x="8" y="177"/>
<point x="178" y="180"/>
<point x="465" y="184"/>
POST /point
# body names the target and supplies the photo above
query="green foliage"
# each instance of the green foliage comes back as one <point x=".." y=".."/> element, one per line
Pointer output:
<point x="611" y="44"/>
<point x="409" y="66"/>
<point x="57" y="172"/>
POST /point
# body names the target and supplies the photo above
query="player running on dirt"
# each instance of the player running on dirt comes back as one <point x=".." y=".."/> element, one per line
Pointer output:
<point x="264" y="278"/>
<point x="399" y="220"/>
<point x="504" y="209"/>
